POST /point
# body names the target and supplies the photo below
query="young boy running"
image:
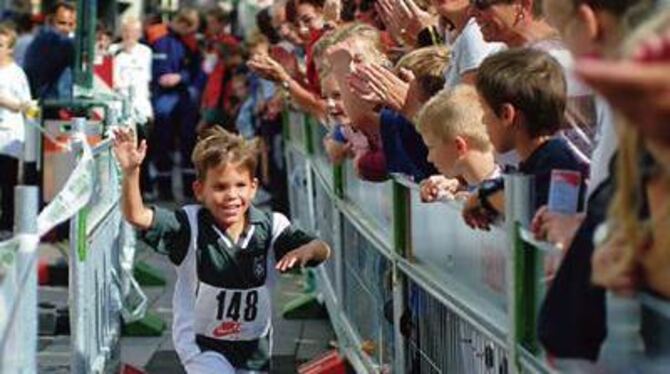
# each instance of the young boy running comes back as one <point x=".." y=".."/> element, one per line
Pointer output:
<point x="221" y="248"/>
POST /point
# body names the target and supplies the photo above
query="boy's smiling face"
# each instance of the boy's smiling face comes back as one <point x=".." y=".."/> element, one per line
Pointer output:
<point x="227" y="191"/>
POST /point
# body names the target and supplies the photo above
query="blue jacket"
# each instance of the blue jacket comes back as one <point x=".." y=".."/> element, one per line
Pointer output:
<point x="48" y="63"/>
<point x="171" y="56"/>
<point x="403" y="146"/>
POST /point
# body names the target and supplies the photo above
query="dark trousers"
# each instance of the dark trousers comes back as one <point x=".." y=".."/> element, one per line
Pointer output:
<point x="176" y="115"/>
<point x="9" y="170"/>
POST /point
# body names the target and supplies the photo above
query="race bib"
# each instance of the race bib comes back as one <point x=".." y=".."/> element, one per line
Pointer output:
<point x="233" y="314"/>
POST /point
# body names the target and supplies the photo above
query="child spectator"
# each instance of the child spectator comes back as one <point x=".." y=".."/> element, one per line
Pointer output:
<point x="14" y="99"/>
<point x="336" y="143"/>
<point x="132" y="77"/>
<point x="524" y="95"/>
<point x="458" y="145"/>
<point x="221" y="249"/>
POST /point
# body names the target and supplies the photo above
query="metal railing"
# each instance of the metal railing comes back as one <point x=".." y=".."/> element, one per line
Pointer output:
<point x="89" y="199"/>
<point x="410" y="288"/>
<point x="94" y="289"/>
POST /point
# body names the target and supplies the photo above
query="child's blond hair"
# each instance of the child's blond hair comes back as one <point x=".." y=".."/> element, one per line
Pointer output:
<point x="217" y="147"/>
<point x="455" y="112"/>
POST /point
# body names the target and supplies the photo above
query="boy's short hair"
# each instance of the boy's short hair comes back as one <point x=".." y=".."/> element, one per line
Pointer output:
<point x="8" y="31"/>
<point x="217" y="147"/>
<point x="455" y="112"/>
<point x="428" y="65"/>
<point x="530" y="80"/>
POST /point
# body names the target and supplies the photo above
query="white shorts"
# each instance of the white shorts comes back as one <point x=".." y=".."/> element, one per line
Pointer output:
<point x="214" y="363"/>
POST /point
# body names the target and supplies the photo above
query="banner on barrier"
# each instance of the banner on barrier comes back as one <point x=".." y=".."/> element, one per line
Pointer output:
<point x="75" y="193"/>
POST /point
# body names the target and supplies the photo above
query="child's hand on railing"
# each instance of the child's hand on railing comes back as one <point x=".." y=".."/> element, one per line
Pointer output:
<point x="475" y="215"/>
<point x="129" y="155"/>
<point x="438" y="187"/>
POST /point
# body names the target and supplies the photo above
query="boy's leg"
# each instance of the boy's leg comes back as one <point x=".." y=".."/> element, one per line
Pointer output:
<point x="9" y="167"/>
<point x="209" y="363"/>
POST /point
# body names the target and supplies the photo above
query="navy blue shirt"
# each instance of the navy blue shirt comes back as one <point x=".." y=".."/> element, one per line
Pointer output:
<point x="555" y="154"/>
<point x="47" y="59"/>
<point x="403" y="146"/>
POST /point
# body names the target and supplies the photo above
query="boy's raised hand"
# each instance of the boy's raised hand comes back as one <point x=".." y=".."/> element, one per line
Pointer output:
<point x="129" y="155"/>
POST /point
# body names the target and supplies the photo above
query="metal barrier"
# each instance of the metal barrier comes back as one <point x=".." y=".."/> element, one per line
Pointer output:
<point x="95" y="244"/>
<point x="90" y="200"/>
<point x="411" y="289"/>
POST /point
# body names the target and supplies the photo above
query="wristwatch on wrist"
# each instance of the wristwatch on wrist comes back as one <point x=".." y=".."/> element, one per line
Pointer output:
<point x="486" y="189"/>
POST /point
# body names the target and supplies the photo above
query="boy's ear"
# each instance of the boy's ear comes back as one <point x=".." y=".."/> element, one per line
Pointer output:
<point x="461" y="145"/>
<point x="254" y="186"/>
<point x="591" y="22"/>
<point x="198" y="189"/>
<point x="507" y="114"/>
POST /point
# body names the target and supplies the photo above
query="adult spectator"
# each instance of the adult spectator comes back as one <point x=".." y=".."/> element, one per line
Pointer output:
<point x="177" y="80"/>
<point x="54" y="43"/>
<point x="522" y="23"/>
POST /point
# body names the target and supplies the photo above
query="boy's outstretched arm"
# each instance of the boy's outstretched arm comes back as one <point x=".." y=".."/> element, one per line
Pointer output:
<point x="130" y="157"/>
<point x="312" y="253"/>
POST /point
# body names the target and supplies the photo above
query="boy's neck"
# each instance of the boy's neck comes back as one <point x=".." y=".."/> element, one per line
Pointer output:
<point x="526" y="147"/>
<point x="6" y="61"/>
<point x="235" y="230"/>
<point x="478" y="167"/>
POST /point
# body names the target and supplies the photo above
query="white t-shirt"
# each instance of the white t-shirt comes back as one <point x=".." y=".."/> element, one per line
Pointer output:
<point x="14" y="85"/>
<point x="132" y="71"/>
<point x="468" y="50"/>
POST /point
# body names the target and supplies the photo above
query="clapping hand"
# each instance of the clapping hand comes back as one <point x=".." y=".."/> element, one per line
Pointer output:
<point x="381" y="85"/>
<point x="268" y="68"/>
<point x="404" y="19"/>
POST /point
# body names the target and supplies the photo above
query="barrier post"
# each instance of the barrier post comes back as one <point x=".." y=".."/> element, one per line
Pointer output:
<point x="78" y="309"/>
<point x="518" y="195"/>
<point x="401" y="223"/>
<point x="23" y="329"/>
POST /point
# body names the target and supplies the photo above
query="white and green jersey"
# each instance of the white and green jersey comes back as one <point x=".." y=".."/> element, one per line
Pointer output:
<point x="222" y="298"/>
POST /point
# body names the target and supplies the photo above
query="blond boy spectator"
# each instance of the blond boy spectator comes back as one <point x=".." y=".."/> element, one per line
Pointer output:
<point x="458" y="145"/>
